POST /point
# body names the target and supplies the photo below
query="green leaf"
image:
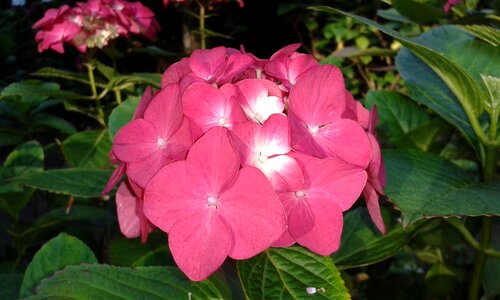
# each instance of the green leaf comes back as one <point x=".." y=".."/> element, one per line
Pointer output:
<point x="426" y="185"/>
<point x="26" y="159"/>
<point x="9" y="137"/>
<point x="486" y="33"/>
<point x="57" y="253"/>
<point x="88" y="149"/>
<point x="492" y="103"/>
<point x="491" y="275"/>
<point x="133" y="253"/>
<point x="32" y="89"/>
<point x="74" y="182"/>
<point x="393" y="15"/>
<point x="106" y="71"/>
<point x="54" y="122"/>
<point x="122" y="114"/>
<point x="419" y="12"/>
<point x="286" y="273"/>
<point x="63" y="74"/>
<point x="362" y="245"/>
<point x="111" y="282"/>
<point x="9" y="285"/>
<point x="353" y="52"/>
<point x="424" y="136"/>
<point x="398" y="115"/>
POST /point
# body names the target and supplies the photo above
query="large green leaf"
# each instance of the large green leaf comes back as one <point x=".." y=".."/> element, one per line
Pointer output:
<point x="111" y="282"/>
<point x="27" y="158"/>
<point x="33" y="89"/>
<point x="286" y="273"/>
<point x="63" y="74"/>
<point x="57" y="253"/>
<point x="418" y="11"/>
<point x="74" y="182"/>
<point x="362" y="245"/>
<point x="397" y="114"/>
<point x="133" y="253"/>
<point x="486" y="33"/>
<point x="88" y="149"/>
<point x="426" y="185"/>
<point x="122" y="114"/>
<point x="55" y="122"/>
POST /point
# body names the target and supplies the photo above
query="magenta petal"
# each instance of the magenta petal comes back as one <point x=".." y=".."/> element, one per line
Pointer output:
<point x="143" y="104"/>
<point x="208" y="63"/>
<point x="324" y="237"/>
<point x="171" y="196"/>
<point x="175" y="72"/>
<point x="318" y="97"/>
<point x="126" y="209"/>
<point x="235" y="65"/>
<point x="347" y="140"/>
<point x="284" y="173"/>
<point x="302" y="140"/>
<point x="253" y="212"/>
<point x="142" y="171"/>
<point x="165" y="111"/>
<point x="371" y="198"/>
<point x="200" y="244"/>
<point x="299" y="65"/>
<point x="260" y="98"/>
<point x="244" y="138"/>
<point x="135" y="141"/>
<point x="285" y="240"/>
<point x="334" y="179"/>
<point x="300" y="217"/>
<point x="114" y="179"/>
<point x="375" y="164"/>
<point x="214" y="161"/>
<point x="275" y="135"/>
<point x="287" y="50"/>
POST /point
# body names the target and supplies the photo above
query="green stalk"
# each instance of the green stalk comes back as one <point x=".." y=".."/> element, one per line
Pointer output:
<point x="93" y="88"/>
<point x="202" y="16"/>
<point x="118" y="97"/>
<point x="489" y="168"/>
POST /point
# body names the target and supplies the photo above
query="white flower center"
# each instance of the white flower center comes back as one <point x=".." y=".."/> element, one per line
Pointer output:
<point x="222" y="121"/>
<point x="300" y="194"/>
<point x="263" y="158"/>
<point x="313" y="129"/>
<point x="161" y="143"/>
<point x="212" y="201"/>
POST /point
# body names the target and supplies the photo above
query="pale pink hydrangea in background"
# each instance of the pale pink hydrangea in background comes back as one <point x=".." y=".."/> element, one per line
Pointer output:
<point x="235" y="154"/>
<point x="449" y="4"/>
<point x="93" y="24"/>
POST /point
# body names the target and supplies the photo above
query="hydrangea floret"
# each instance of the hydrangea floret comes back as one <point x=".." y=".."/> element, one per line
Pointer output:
<point x="236" y="154"/>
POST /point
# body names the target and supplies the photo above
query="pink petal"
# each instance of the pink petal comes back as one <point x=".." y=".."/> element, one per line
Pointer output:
<point x="235" y="65"/>
<point x="253" y="212"/>
<point x="208" y="63"/>
<point x="142" y="171"/>
<point x="135" y="141"/>
<point x="285" y="240"/>
<point x="285" y="51"/>
<point x="214" y="161"/>
<point x="244" y="138"/>
<point x="127" y="217"/>
<point x="300" y="217"/>
<point x="356" y="111"/>
<point x="371" y="198"/>
<point x="275" y="135"/>
<point x="200" y="244"/>
<point x="374" y="168"/>
<point x="299" y="65"/>
<point x="143" y="104"/>
<point x="301" y="138"/>
<point x="179" y="143"/>
<point x="324" y="237"/>
<point x="172" y="195"/>
<point x="347" y="140"/>
<point x="114" y="179"/>
<point x="284" y="173"/>
<point x="334" y="179"/>
<point x="175" y="72"/>
<point x="260" y="98"/>
<point x="165" y="111"/>
<point x="318" y="97"/>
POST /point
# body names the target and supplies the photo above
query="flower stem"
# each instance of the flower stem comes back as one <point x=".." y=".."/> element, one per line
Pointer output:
<point x="202" y="16"/>
<point x="118" y="97"/>
<point x="93" y="88"/>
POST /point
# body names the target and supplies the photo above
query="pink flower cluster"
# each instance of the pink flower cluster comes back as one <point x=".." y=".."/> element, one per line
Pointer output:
<point x="235" y="154"/>
<point x="93" y="24"/>
<point x="449" y="4"/>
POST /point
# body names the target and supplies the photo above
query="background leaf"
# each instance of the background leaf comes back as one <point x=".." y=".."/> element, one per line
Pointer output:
<point x="286" y="273"/>
<point x="57" y="253"/>
<point x="133" y="253"/>
<point x="418" y="11"/>
<point x="122" y="114"/>
<point x="9" y="285"/>
<point x="74" y="182"/>
<point x="111" y="282"/>
<point x="88" y="149"/>
<point x="26" y="159"/>
<point x="426" y="185"/>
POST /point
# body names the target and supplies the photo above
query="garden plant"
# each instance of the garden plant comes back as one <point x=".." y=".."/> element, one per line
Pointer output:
<point x="218" y="149"/>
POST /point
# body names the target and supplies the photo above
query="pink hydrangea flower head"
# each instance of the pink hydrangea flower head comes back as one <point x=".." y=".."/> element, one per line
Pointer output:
<point x="314" y="211"/>
<point x="211" y="209"/>
<point x="207" y="106"/>
<point x="260" y="98"/>
<point x="265" y="147"/>
<point x="316" y="105"/>
<point x="176" y="72"/>
<point x="129" y="206"/>
<point x="161" y="137"/>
